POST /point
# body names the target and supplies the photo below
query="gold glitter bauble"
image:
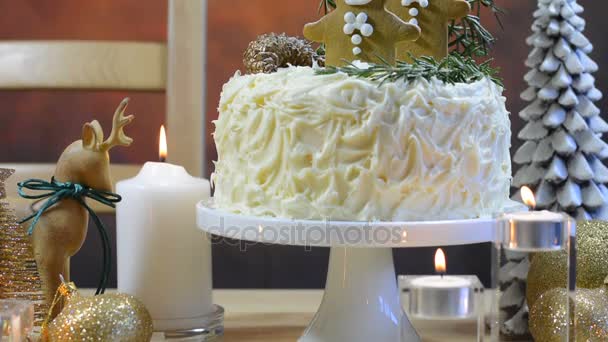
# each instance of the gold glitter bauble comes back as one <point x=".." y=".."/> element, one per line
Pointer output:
<point x="107" y="317"/>
<point x="548" y="316"/>
<point x="592" y="253"/>
<point x="269" y="52"/>
<point x="548" y="270"/>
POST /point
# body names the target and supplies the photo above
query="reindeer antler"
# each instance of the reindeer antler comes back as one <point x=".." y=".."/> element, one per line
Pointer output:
<point x="118" y="137"/>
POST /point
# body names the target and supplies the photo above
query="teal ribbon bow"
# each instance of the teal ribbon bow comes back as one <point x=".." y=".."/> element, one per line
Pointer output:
<point x="55" y="192"/>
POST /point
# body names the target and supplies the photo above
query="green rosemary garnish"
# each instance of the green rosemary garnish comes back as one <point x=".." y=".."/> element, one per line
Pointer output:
<point x="327" y="6"/>
<point x="454" y="68"/>
<point x="468" y="37"/>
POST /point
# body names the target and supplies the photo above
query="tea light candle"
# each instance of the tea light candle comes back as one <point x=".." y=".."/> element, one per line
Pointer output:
<point x="443" y="297"/>
<point x="163" y="259"/>
<point x="441" y="282"/>
<point x="535" y="231"/>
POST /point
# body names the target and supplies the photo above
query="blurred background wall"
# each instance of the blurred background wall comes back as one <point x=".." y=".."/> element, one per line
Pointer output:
<point x="35" y="126"/>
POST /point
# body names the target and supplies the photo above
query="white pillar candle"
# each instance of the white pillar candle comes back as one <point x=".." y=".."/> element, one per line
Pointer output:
<point x="163" y="259"/>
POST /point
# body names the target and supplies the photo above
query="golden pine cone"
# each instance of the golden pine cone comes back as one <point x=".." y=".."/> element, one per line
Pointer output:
<point x="269" y="52"/>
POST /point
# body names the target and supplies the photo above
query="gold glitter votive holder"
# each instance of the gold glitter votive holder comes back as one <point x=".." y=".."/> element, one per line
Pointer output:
<point x="16" y="320"/>
<point x="533" y="232"/>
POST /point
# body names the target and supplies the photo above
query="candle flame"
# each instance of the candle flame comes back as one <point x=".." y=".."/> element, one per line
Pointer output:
<point x="528" y="197"/>
<point x="440" y="263"/>
<point x="162" y="145"/>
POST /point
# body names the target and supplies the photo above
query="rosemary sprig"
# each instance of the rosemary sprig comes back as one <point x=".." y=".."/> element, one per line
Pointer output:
<point x="455" y="68"/>
<point x="327" y="6"/>
<point x="468" y="36"/>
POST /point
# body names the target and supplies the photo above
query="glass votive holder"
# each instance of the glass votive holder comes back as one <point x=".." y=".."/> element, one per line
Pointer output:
<point x="537" y="233"/>
<point x="455" y="301"/>
<point x="16" y="320"/>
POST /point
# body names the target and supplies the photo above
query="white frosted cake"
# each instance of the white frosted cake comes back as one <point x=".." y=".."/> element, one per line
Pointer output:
<point x="294" y="144"/>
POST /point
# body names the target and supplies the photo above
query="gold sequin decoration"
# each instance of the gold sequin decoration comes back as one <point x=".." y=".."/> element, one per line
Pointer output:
<point x="269" y="52"/>
<point x="107" y="317"/>
<point x="548" y="270"/>
<point x="592" y="259"/>
<point x="19" y="277"/>
<point x="4" y="175"/>
<point x="590" y="307"/>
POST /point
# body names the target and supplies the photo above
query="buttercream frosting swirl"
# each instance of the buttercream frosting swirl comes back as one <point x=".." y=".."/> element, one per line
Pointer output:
<point x="294" y="144"/>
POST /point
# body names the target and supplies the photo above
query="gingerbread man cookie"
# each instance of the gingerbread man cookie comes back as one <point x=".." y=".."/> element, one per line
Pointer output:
<point x="433" y="17"/>
<point x="360" y="30"/>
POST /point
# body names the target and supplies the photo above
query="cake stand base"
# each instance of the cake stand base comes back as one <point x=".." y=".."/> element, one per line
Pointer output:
<point x="361" y="301"/>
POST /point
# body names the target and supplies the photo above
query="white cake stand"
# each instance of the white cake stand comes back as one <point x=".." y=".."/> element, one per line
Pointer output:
<point x="361" y="301"/>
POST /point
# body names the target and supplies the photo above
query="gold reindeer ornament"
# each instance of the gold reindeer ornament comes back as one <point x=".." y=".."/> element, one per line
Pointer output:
<point x="60" y="230"/>
<point x="433" y="17"/>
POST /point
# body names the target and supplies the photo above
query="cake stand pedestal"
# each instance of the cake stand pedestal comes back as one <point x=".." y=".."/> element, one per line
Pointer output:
<point x="361" y="301"/>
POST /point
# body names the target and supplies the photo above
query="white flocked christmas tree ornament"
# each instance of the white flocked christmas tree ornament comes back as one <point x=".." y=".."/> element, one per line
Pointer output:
<point x="561" y="157"/>
<point x="562" y="151"/>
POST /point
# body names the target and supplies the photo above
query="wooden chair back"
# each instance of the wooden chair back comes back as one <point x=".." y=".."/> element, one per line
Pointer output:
<point x="176" y="67"/>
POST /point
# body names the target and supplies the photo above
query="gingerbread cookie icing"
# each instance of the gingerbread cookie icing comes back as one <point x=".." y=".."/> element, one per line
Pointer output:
<point x="432" y="17"/>
<point x="360" y="30"/>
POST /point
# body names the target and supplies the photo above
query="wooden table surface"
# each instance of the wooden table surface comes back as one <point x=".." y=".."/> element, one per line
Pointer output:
<point x="267" y="315"/>
<point x="282" y="316"/>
